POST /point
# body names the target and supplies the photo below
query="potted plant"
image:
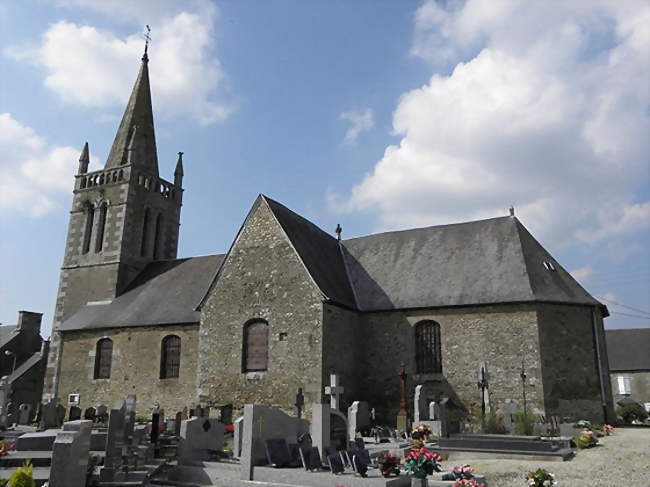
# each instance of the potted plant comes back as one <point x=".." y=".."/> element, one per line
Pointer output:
<point x="421" y="432"/>
<point x="419" y="463"/>
<point x="540" y="478"/>
<point x="388" y="464"/>
<point x="586" y="439"/>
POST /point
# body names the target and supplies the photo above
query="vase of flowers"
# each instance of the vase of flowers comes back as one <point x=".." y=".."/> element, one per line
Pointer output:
<point x="586" y="439"/>
<point x="540" y="478"/>
<point x="419" y="462"/>
<point x="421" y="432"/>
<point x="460" y="472"/>
<point x="388" y="465"/>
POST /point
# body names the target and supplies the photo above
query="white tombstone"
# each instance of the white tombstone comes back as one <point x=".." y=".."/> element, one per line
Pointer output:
<point x="434" y="413"/>
<point x="358" y="418"/>
<point x="321" y="426"/>
<point x="238" y="426"/>
<point x="419" y="405"/>
<point x="198" y="437"/>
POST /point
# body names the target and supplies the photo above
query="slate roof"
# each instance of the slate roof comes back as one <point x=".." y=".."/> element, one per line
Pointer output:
<point x="319" y="251"/>
<point x="480" y="262"/>
<point x="7" y="333"/>
<point x="628" y="349"/>
<point x="165" y="292"/>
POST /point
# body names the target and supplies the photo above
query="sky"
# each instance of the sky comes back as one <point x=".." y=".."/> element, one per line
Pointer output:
<point x="375" y="114"/>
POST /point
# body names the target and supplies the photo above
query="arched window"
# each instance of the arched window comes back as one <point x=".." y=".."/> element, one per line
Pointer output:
<point x="170" y="357"/>
<point x="157" y="244"/>
<point x="428" y="357"/>
<point x="145" y="231"/>
<point x="88" y="231"/>
<point x="256" y="346"/>
<point x="101" y="225"/>
<point x="103" y="358"/>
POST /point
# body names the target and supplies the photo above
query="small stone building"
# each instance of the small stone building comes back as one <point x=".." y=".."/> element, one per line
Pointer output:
<point x="288" y="303"/>
<point x="23" y="358"/>
<point x="629" y="364"/>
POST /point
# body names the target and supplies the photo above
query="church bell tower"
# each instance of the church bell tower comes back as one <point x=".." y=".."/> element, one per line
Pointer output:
<point x="123" y="217"/>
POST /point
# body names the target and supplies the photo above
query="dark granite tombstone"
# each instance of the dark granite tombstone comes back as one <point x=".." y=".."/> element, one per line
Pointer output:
<point x="310" y="458"/>
<point x="74" y="414"/>
<point x="277" y="452"/>
<point x="102" y="414"/>
<point x="360" y="464"/>
<point x="155" y="426"/>
<point x="89" y="413"/>
<point x="329" y="451"/>
<point x="177" y="423"/>
<point x="24" y="413"/>
<point x="60" y="414"/>
<point x="294" y="454"/>
<point x="226" y="414"/>
<point x="358" y="442"/>
<point x="345" y="457"/>
<point x="336" y="463"/>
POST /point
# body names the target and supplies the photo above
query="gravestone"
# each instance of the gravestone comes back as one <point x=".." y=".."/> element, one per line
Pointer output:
<point x="156" y="421"/>
<point x="24" y="413"/>
<point x="52" y="414"/>
<point x="238" y="430"/>
<point x="226" y="414"/>
<point x="336" y="463"/>
<point x="311" y="459"/>
<point x="89" y="413"/>
<point x="114" y="442"/>
<point x="434" y="411"/>
<point x="277" y="452"/>
<point x="200" y="438"/>
<point x="483" y="385"/>
<point x="358" y="418"/>
<point x="70" y="454"/>
<point x="74" y="414"/>
<point x="420" y="411"/>
<point x="321" y="425"/>
<point x="509" y="414"/>
<point x="102" y="414"/>
<point x="262" y="423"/>
<point x="177" y="423"/>
<point x="334" y="390"/>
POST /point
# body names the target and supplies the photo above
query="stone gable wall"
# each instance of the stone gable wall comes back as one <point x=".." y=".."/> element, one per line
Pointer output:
<point x="262" y="277"/>
<point x="502" y="336"/>
<point x="135" y="368"/>
<point x="569" y="366"/>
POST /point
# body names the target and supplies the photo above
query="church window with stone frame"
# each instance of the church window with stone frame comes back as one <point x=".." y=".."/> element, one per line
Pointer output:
<point x="256" y="346"/>
<point x="101" y="225"/>
<point x="88" y="231"/>
<point x="170" y="357"/>
<point x="428" y="356"/>
<point x="145" y="231"/>
<point x="157" y="236"/>
<point x="103" y="358"/>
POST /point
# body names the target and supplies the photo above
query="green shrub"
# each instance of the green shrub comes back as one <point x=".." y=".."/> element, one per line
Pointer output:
<point x="632" y="411"/>
<point x="525" y="424"/>
<point x="492" y="423"/>
<point x="23" y="476"/>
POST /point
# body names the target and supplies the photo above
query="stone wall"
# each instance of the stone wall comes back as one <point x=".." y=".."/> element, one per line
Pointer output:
<point x="502" y="336"/>
<point x="569" y="362"/>
<point x="341" y="350"/>
<point x="135" y="368"/>
<point x="262" y="277"/>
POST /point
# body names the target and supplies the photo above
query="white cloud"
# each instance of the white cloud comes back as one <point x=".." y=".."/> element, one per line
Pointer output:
<point x="583" y="274"/>
<point x="546" y="108"/>
<point x="361" y="121"/>
<point x="92" y="67"/>
<point x="34" y="176"/>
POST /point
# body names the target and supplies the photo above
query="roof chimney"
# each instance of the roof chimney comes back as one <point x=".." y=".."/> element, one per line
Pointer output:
<point x="512" y="211"/>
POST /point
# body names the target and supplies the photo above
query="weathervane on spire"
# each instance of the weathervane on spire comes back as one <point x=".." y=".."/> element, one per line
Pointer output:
<point x="147" y="38"/>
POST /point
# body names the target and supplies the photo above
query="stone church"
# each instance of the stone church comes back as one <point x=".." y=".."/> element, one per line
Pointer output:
<point x="289" y="303"/>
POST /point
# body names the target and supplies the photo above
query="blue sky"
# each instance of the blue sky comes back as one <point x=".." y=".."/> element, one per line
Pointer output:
<point x="378" y="115"/>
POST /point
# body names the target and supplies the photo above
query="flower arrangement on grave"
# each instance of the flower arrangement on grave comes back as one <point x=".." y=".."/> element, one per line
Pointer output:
<point x="459" y="472"/>
<point x="541" y="478"/>
<point x="3" y="449"/>
<point x="586" y="439"/>
<point x="468" y="483"/>
<point x="421" y="432"/>
<point x="608" y="429"/>
<point x="419" y="462"/>
<point x="388" y="464"/>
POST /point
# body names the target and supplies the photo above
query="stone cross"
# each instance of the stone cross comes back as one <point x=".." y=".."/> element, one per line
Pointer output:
<point x="334" y="390"/>
<point x="300" y="402"/>
<point x="483" y="387"/>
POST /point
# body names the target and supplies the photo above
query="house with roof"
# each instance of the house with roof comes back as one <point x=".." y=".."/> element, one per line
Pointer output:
<point x="23" y="357"/>
<point x="289" y="303"/>
<point x="629" y="364"/>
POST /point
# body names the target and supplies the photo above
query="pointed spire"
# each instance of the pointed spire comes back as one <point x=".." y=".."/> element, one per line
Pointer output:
<point x="84" y="159"/>
<point x="178" y="172"/>
<point x="135" y="141"/>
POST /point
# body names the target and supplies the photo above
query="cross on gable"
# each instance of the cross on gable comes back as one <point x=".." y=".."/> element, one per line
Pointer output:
<point x="334" y="390"/>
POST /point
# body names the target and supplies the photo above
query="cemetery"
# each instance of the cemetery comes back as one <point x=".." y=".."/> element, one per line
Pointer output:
<point x="203" y="445"/>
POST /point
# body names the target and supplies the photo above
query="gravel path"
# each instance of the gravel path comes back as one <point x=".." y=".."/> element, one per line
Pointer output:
<point x="620" y="460"/>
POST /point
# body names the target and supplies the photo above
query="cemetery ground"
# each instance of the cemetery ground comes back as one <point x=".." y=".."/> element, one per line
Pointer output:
<point x="622" y="459"/>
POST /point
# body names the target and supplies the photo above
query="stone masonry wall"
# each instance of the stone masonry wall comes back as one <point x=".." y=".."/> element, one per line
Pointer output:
<point x="569" y="364"/>
<point x="135" y="368"/>
<point x="262" y="277"/>
<point x="502" y="336"/>
<point x="341" y="350"/>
